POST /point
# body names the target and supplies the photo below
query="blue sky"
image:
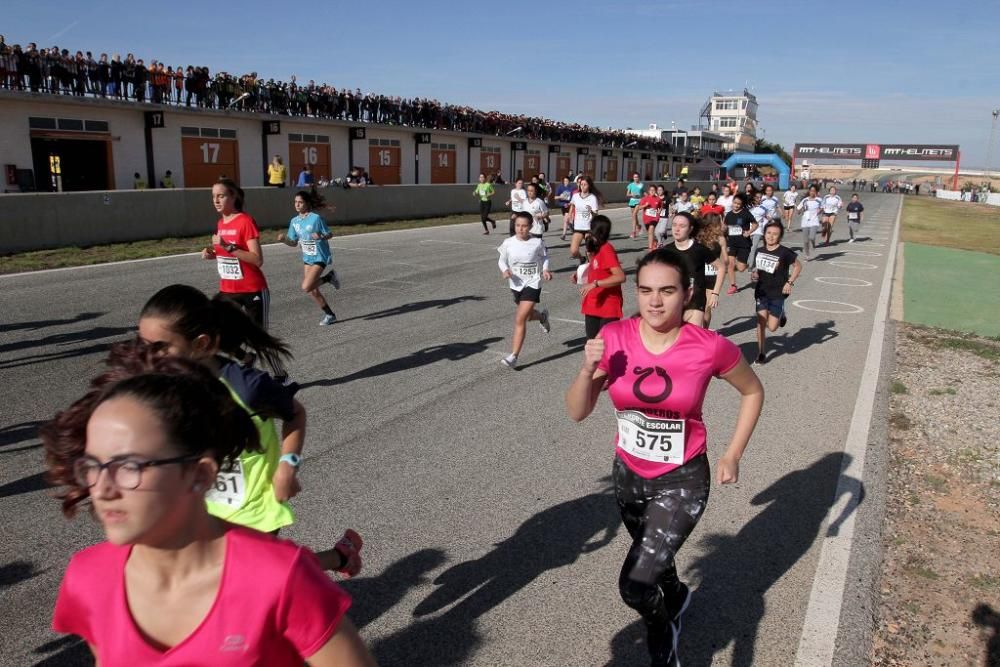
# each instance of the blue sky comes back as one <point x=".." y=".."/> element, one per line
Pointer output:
<point x="880" y="71"/>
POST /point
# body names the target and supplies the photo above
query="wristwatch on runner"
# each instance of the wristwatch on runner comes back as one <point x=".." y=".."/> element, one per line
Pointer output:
<point x="230" y="247"/>
<point x="293" y="460"/>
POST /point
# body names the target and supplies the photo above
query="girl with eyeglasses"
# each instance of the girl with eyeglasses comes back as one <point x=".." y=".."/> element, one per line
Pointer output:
<point x="173" y="584"/>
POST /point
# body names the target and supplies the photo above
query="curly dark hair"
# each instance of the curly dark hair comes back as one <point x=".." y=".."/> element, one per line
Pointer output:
<point x="195" y="409"/>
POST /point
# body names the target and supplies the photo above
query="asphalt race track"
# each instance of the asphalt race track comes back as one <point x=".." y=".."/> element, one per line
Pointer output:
<point x="491" y="532"/>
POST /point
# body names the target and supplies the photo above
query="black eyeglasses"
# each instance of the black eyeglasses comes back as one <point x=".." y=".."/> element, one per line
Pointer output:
<point x="125" y="473"/>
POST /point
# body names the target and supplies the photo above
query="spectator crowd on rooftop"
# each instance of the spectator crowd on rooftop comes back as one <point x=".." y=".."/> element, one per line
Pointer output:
<point x="57" y="71"/>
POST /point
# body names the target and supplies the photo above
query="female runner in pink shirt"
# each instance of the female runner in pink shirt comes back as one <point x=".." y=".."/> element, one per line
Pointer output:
<point x="656" y="369"/>
<point x="173" y="585"/>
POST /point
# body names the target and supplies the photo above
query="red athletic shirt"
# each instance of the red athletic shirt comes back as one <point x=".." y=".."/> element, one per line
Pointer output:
<point x="235" y="275"/>
<point x="650" y="215"/>
<point x="603" y="302"/>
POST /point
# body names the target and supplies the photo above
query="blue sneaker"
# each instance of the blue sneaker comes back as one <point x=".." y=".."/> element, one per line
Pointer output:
<point x="327" y="320"/>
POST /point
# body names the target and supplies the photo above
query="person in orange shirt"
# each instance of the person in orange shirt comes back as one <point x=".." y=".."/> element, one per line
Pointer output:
<point x="178" y="83"/>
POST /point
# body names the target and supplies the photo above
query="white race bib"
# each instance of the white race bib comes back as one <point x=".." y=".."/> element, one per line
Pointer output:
<point x="229" y="486"/>
<point x="229" y="268"/>
<point x="735" y="230"/>
<point x="657" y="440"/>
<point x="309" y="247"/>
<point x="525" y="272"/>
<point x="710" y="270"/>
<point x="766" y="263"/>
<point x="852" y="216"/>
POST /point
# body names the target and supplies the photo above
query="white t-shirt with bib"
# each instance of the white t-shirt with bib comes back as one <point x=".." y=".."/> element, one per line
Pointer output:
<point x="526" y="260"/>
<point x="584" y="210"/>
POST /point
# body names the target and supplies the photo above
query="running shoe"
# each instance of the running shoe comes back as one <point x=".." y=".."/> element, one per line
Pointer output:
<point x="632" y="235"/>
<point x="543" y="320"/>
<point x="494" y="223"/>
<point x="349" y="548"/>
<point x="761" y="359"/>
<point x="732" y="289"/>
<point x="783" y="321"/>
<point x="510" y="361"/>
<point x="327" y="320"/>
<point x="851" y="240"/>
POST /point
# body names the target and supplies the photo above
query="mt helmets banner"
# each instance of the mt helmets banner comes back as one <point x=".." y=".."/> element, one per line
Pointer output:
<point x="931" y="152"/>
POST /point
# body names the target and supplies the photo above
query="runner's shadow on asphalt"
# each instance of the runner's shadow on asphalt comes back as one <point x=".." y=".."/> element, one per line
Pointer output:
<point x="27" y="484"/>
<point x="790" y="343"/>
<point x="15" y="572"/>
<point x="573" y="346"/>
<point x="553" y="538"/>
<point x="374" y="596"/>
<point x="43" y="324"/>
<point x="737" y="325"/>
<point x="95" y="333"/>
<point x="72" y="652"/>
<point x="424" y="357"/>
<point x="414" y="307"/>
<point x="18" y="433"/>
<point x="827" y="256"/>
<point x="730" y="580"/>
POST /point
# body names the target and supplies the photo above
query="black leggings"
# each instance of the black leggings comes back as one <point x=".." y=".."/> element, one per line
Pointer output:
<point x="484" y="213"/>
<point x="659" y="514"/>
<point x="593" y="324"/>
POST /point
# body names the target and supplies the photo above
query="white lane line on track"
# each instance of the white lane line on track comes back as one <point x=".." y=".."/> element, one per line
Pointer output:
<point x="819" y="631"/>
<point x="853" y="265"/>
<point x="346" y="247"/>
<point x="455" y="242"/>
<point x="833" y="280"/>
<point x="851" y="309"/>
<point x="863" y="253"/>
<point x="563" y="319"/>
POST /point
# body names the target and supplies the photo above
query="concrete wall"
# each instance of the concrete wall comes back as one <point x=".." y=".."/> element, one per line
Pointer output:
<point x="53" y="220"/>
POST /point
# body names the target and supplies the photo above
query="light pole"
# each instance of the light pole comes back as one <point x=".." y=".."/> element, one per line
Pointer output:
<point x="989" y="151"/>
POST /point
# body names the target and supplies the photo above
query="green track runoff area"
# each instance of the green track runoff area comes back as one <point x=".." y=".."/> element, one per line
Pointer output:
<point x="951" y="265"/>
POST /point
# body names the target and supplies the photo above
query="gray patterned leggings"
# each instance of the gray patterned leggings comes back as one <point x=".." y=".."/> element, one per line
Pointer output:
<point x="659" y="514"/>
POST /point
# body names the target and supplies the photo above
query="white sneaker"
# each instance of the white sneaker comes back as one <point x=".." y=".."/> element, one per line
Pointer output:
<point x="851" y="241"/>
<point x="327" y="320"/>
<point x="510" y="361"/>
<point x="543" y="321"/>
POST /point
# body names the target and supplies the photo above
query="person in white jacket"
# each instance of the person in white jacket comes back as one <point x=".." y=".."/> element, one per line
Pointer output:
<point x="810" y="207"/>
<point x="524" y="262"/>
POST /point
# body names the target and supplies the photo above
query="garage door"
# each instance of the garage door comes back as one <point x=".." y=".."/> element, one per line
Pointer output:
<point x="562" y="166"/>
<point x="590" y="166"/>
<point x="443" y="163"/>
<point x="489" y="160"/>
<point x="611" y="169"/>
<point x="209" y="154"/>
<point x="312" y="150"/>
<point x="532" y="163"/>
<point x="384" y="161"/>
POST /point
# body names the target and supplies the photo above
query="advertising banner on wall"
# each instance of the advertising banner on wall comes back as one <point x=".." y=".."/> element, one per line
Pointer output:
<point x="926" y="152"/>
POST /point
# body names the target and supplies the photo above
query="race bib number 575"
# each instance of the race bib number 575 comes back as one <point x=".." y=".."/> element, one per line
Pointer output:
<point x="657" y="440"/>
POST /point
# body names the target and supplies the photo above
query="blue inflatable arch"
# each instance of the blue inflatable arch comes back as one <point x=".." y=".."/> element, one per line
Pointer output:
<point x="769" y="159"/>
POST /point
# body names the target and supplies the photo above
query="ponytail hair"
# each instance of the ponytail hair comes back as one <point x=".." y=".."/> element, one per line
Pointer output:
<point x="600" y="232"/>
<point x="313" y="199"/>
<point x="236" y="191"/>
<point x="191" y="314"/>
<point x="196" y="411"/>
